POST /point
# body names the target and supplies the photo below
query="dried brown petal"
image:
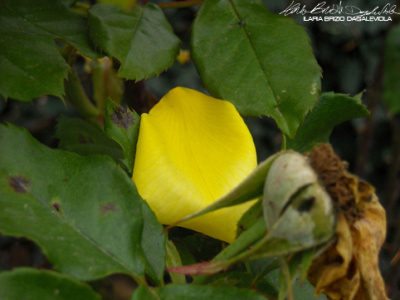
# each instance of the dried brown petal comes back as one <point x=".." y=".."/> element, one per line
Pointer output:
<point x="349" y="269"/>
<point x="368" y="236"/>
<point x="332" y="273"/>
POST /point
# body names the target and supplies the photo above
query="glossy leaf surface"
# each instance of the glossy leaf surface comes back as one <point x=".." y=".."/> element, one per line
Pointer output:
<point x="83" y="211"/>
<point x="261" y="62"/>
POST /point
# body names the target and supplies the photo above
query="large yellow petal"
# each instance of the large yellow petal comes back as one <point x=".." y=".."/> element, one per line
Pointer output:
<point x="192" y="150"/>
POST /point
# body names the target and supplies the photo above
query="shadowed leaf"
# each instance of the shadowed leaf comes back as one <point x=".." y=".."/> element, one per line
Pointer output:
<point x="30" y="63"/>
<point x="42" y="284"/>
<point x="331" y="110"/>
<point x="81" y="137"/>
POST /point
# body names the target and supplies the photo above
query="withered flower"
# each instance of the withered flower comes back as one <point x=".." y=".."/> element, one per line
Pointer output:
<point x="349" y="268"/>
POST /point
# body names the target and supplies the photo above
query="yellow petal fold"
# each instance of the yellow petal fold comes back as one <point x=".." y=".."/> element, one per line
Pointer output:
<point x="193" y="149"/>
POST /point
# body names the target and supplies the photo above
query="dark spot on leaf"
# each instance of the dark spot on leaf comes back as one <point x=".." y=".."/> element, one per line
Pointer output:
<point x="306" y="205"/>
<point x="238" y="24"/>
<point x="19" y="184"/>
<point x="85" y="140"/>
<point x="56" y="205"/>
<point x="242" y="22"/>
<point x="122" y="118"/>
<point x="108" y="207"/>
<point x="65" y="179"/>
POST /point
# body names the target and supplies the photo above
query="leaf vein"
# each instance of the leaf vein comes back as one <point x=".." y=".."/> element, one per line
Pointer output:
<point x="253" y="50"/>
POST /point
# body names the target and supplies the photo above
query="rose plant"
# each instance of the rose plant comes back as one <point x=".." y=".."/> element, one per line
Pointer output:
<point x="109" y="199"/>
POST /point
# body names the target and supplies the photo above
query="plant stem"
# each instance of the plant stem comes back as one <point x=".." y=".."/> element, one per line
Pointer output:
<point x="283" y="146"/>
<point x="180" y="4"/>
<point x="288" y="279"/>
<point x="77" y="97"/>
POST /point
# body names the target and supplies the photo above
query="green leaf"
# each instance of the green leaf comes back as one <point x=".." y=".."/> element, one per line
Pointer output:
<point x="30" y="63"/>
<point x="263" y="266"/>
<point x="142" y="40"/>
<point x="331" y="110"/>
<point x="143" y="292"/>
<point x="296" y="265"/>
<point x="306" y="260"/>
<point x="126" y="4"/>
<point x="32" y="284"/>
<point x="261" y="62"/>
<point x="301" y="290"/>
<point x="194" y="292"/>
<point x="83" y="211"/>
<point x="250" y="217"/>
<point x="174" y="260"/>
<point x="153" y="244"/>
<point x="81" y="137"/>
<point x="201" y="292"/>
<point x="122" y="125"/>
<point x="244" y="280"/>
<point x="391" y="94"/>
<point x="304" y="290"/>
<point x="183" y="247"/>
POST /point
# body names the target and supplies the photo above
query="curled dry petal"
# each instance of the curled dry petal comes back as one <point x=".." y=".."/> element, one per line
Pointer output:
<point x="193" y="149"/>
<point x="348" y="269"/>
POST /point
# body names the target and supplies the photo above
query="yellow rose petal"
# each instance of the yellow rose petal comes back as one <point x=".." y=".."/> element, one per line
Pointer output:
<point x="192" y="150"/>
